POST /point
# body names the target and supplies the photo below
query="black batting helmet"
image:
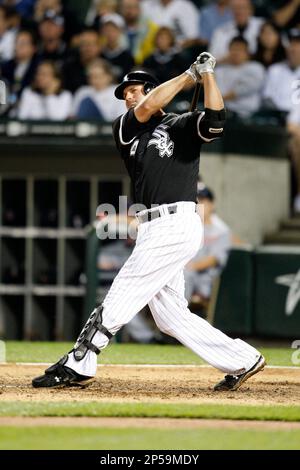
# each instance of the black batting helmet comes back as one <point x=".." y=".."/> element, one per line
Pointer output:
<point x="137" y="77"/>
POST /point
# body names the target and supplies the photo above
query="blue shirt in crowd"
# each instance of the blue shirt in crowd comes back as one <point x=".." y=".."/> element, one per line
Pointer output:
<point x="211" y="18"/>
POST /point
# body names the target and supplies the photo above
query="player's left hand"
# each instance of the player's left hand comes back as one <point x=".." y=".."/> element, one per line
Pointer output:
<point x="192" y="72"/>
<point x="205" y="63"/>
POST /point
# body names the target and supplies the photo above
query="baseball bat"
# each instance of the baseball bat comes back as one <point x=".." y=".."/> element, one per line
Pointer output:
<point x="195" y="99"/>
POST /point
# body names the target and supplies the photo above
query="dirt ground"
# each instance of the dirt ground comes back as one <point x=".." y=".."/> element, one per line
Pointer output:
<point x="155" y="384"/>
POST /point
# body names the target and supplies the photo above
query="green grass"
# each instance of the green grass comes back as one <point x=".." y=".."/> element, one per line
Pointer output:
<point x="153" y="410"/>
<point x="146" y="439"/>
<point x="130" y="353"/>
<point x="43" y="438"/>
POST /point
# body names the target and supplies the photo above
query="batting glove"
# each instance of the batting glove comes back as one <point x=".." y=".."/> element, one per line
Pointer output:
<point x="205" y="63"/>
<point x="193" y="73"/>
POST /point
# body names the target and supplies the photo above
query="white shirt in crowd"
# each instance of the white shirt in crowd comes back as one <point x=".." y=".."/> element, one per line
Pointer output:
<point x="294" y="114"/>
<point x="105" y="100"/>
<point x="246" y="81"/>
<point x="34" y="106"/>
<point x="180" y="15"/>
<point x="222" y="36"/>
<point x="282" y="86"/>
<point x="216" y="243"/>
<point x="7" y="45"/>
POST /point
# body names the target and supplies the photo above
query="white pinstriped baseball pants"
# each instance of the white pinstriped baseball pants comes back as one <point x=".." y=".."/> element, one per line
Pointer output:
<point x="154" y="275"/>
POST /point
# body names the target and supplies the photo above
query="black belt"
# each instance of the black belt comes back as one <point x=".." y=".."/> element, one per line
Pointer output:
<point x="156" y="213"/>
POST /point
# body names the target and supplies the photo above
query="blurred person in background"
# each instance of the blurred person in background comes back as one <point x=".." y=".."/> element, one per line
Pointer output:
<point x="286" y="13"/>
<point x="23" y="7"/>
<point x="211" y="259"/>
<point x="165" y="63"/>
<point x="99" y="8"/>
<point x="112" y="256"/>
<point x="179" y="15"/>
<point x="20" y="71"/>
<point x="13" y="16"/>
<point x="74" y="71"/>
<point x="97" y="100"/>
<point x="270" y="49"/>
<point x="212" y="16"/>
<point x="243" y="24"/>
<point x="45" y="100"/>
<point x="52" y="47"/>
<point x="114" y="49"/>
<point x="284" y="77"/>
<point x="241" y="79"/>
<point x="140" y="31"/>
<point x="293" y="127"/>
<point x="42" y="6"/>
<point x="8" y="33"/>
<point x="57" y="8"/>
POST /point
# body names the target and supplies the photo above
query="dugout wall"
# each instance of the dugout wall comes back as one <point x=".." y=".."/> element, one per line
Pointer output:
<point x="53" y="177"/>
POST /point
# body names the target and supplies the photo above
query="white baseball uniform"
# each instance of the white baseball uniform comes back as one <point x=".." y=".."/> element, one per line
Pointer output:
<point x="162" y="157"/>
<point x="154" y="275"/>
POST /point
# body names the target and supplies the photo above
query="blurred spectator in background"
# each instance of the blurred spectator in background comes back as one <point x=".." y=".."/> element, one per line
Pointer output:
<point x="97" y="100"/>
<point x="99" y="8"/>
<point x="75" y="68"/>
<point x="139" y="30"/>
<point x="287" y="13"/>
<point x="213" y="16"/>
<point x="115" y="45"/>
<point x="45" y="99"/>
<point x="52" y="47"/>
<point x="8" y="33"/>
<point x="283" y="78"/>
<point x="42" y="6"/>
<point x="13" y="17"/>
<point x="244" y="24"/>
<point x="57" y="8"/>
<point x="165" y="63"/>
<point x="270" y="49"/>
<point x="112" y="257"/>
<point x="241" y="80"/>
<point x="23" y="7"/>
<point x="201" y="272"/>
<point x="293" y="126"/>
<point x="179" y="15"/>
<point x="19" y="71"/>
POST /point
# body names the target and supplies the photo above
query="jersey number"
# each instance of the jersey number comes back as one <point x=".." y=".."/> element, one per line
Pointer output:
<point x="133" y="148"/>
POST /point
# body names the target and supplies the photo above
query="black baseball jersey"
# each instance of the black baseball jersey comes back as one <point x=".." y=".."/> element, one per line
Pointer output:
<point x="162" y="155"/>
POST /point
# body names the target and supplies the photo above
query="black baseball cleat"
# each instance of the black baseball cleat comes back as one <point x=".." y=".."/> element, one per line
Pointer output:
<point x="233" y="382"/>
<point x="59" y="375"/>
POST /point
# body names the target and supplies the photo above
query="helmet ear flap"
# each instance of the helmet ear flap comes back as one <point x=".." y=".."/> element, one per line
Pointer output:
<point x="148" y="87"/>
<point x="139" y="77"/>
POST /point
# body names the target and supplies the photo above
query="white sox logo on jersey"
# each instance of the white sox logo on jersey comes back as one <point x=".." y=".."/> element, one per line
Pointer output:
<point x="162" y="141"/>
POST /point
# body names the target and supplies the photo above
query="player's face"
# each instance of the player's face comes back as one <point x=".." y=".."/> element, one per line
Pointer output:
<point x="133" y="94"/>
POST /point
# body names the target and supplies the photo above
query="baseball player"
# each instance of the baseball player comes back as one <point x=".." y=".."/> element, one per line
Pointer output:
<point x="161" y="152"/>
